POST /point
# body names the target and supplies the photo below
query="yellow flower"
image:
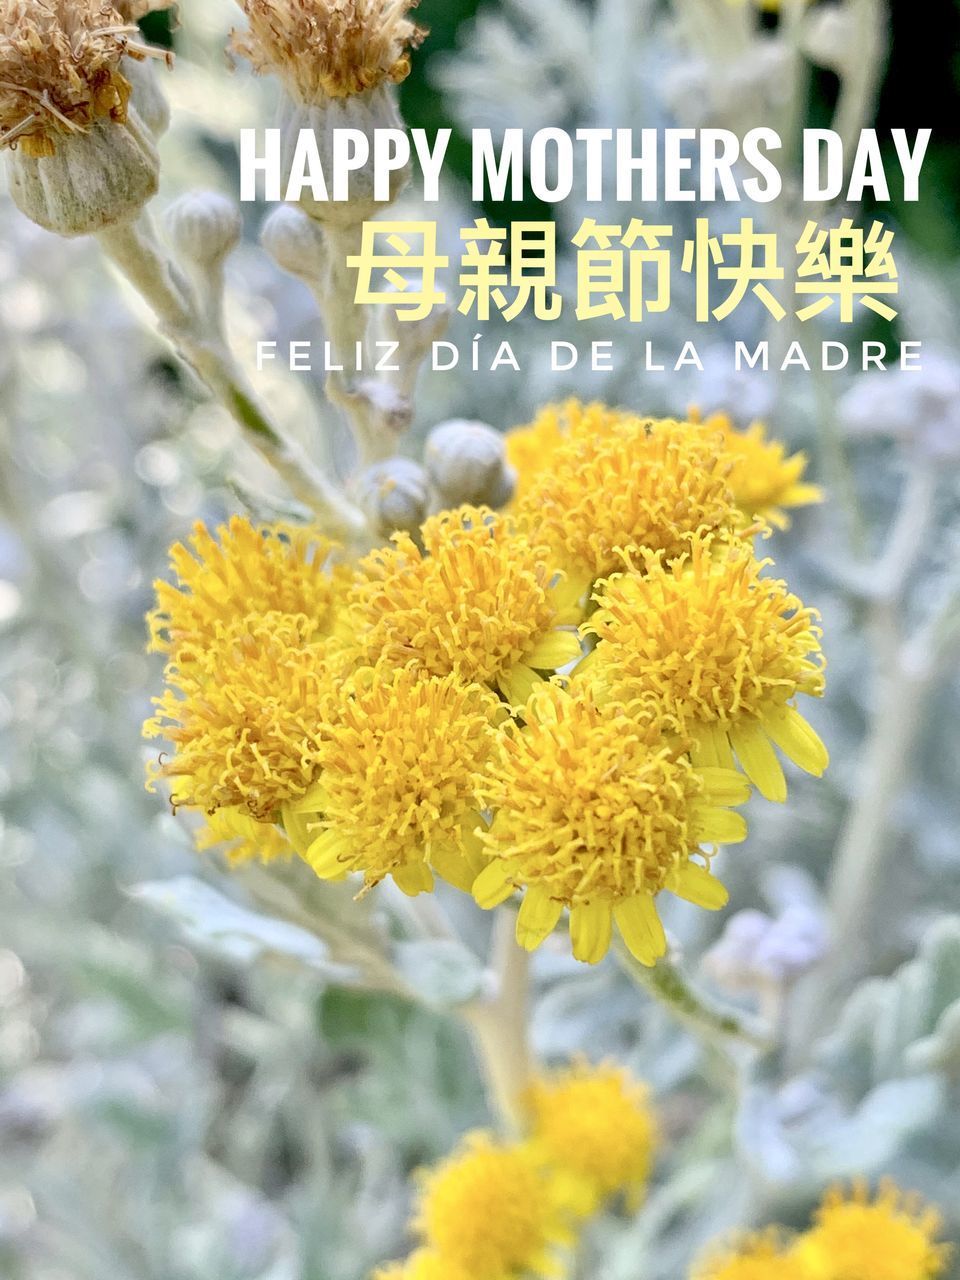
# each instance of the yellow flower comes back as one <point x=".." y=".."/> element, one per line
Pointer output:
<point x="754" y="1257"/>
<point x="595" y="1125"/>
<point x="399" y="767"/>
<point x="598" y="811"/>
<point x="644" y="484"/>
<point x="242" y="838"/>
<point x="859" y="1237"/>
<point x="491" y="1210"/>
<point x="425" y="1264"/>
<point x="243" y="570"/>
<point x="763" y="479"/>
<point x="242" y="715"/>
<point x="531" y="447"/>
<point x="481" y="601"/>
<point x="60" y="70"/>
<point x="329" y="48"/>
<point x="718" y="647"/>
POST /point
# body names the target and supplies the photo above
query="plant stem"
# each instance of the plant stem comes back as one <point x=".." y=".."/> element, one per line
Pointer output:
<point x="498" y="1026"/>
<point x="718" y="1024"/>
<point x="135" y="250"/>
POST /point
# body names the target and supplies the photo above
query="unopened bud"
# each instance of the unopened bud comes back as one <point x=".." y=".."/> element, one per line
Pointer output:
<point x="394" y="495"/>
<point x="204" y="227"/>
<point x="467" y="463"/>
<point x="295" y="243"/>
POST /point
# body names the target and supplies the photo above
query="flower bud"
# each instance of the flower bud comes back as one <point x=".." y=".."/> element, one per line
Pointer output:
<point x="295" y="243"/>
<point x="204" y="226"/>
<point x="394" y="496"/>
<point x="466" y="462"/>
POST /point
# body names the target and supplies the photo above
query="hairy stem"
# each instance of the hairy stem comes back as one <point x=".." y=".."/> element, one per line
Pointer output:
<point x="719" y="1025"/>
<point x="136" y="252"/>
<point x="498" y="1026"/>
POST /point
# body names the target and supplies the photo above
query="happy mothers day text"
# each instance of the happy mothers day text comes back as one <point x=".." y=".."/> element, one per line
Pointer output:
<point x="550" y="164"/>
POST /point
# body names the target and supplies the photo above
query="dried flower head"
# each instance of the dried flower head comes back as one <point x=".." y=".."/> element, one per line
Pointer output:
<point x="857" y="1236"/>
<point x="491" y="1210"/>
<point x="595" y="1126"/>
<point x="60" y="70"/>
<point x="329" y="48"/>
<point x="599" y="812"/>
<point x="718" y="647"/>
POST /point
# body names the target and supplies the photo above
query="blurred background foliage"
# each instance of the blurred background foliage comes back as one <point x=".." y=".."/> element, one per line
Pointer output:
<point x="170" y="1112"/>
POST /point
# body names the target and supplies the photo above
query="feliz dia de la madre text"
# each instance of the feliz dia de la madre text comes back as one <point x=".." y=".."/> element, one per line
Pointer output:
<point x="646" y="165"/>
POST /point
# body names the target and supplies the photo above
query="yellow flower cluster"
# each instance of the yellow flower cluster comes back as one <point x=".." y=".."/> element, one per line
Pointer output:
<point x="565" y="702"/>
<point x="506" y="1211"/>
<point x="854" y="1236"/>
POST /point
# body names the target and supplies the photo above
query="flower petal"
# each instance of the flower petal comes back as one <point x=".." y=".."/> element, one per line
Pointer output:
<point x="696" y="884"/>
<point x="724" y="786"/>
<point x="413" y="879"/>
<point x="797" y="739"/>
<point x="518" y="684"/>
<point x="329" y="855"/>
<point x="493" y="885"/>
<point x="713" y="825"/>
<point x="640" y="927"/>
<point x="301" y="828"/>
<point x="712" y="747"/>
<point x="755" y="752"/>
<point x="537" y="918"/>
<point x="555" y="650"/>
<point x="591" y="924"/>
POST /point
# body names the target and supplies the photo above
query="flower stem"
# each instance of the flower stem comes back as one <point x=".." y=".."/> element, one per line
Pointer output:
<point x="498" y="1025"/>
<point x="717" y="1024"/>
<point x="135" y="250"/>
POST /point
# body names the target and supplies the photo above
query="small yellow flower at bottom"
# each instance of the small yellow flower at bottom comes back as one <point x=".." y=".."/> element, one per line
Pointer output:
<point x="594" y="1125"/>
<point x="242" y="838"/>
<point x="753" y="1257"/>
<point x="598" y="812"/>
<point x="425" y="1264"/>
<point x="856" y="1236"/>
<point x="493" y="1211"/>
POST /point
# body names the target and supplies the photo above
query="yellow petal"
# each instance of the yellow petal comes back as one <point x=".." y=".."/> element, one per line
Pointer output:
<point x="455" y="868"/>
<point x="518" y="684"/>
<point x="328" y="855"/>
<point x="640" y="927"/>
<point x="301" y="829"/>
<point x="555" y="650"/>
<point x="724" y="786"/>
<point x="755" y="752"/>
<point x="802" y="495"/>
<point x="312" y="802"/>
<point x="537" y="918"/>
<point x="696" y="884"/>
<point x="712" y="747"/>
<point x="713" y="825"/>
<point x="590" y="928"/>
<point x="797" y="739"/>
<point x="568" y="596"/>
<point x="493" y="885"/>
<point x="413" y="879"/>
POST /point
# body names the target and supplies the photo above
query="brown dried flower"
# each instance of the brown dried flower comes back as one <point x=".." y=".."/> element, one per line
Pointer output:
<point x="60" y="70"/>
<point x="329" y="48"/>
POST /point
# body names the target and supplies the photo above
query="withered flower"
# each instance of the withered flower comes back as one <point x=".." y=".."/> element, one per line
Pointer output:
<point x="80" y="158"/>
<point x="329" y="48"/>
